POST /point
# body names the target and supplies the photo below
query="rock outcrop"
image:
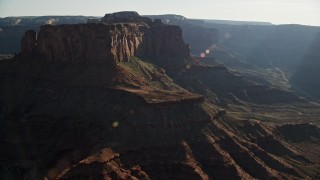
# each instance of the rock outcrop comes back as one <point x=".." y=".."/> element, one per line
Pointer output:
<point x="89" y="42"/>
<point x="109" y="43"/>
<point x="28" y="43"/>
<point x="125" y="16"/>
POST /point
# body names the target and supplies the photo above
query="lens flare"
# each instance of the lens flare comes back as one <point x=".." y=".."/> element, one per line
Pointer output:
<point x="207" y="51"/>
<point x="115" y="124"/>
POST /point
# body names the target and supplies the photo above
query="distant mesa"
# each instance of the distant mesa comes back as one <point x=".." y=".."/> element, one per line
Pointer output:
<point x="125" y="17"/>
<point x="93" y="20"/>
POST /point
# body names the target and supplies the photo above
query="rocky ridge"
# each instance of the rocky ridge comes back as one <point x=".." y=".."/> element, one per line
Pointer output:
<point x="221" y="85"/>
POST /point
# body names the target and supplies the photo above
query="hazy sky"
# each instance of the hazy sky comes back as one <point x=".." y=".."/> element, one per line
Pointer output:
<point x="275" y="11"/>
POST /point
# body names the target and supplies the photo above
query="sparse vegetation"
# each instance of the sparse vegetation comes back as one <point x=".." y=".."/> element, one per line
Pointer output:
<point x="149" y="74"/>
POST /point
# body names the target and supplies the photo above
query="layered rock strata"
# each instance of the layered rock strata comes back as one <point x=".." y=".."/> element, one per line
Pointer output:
<point x="112" y="43"/>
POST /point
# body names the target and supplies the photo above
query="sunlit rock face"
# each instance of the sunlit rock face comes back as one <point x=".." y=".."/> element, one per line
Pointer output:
<point x="108" y="43"/>
<point x="89" y="42"/>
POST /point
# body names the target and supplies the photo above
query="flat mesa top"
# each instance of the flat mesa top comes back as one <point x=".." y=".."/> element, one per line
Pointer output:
<point x="124" y="14"/>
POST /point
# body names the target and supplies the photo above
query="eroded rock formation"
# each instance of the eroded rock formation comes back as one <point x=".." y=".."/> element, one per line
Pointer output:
<point x="79" y="120"/>
<point x="112" y="43"/>
<point x="28" y="43"/>
<point x="89" y="42"/>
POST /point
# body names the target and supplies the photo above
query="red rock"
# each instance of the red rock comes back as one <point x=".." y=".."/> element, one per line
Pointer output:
<point x="111" y="43"/>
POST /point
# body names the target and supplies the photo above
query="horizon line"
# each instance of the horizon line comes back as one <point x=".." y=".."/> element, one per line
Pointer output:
<point x="255" y="21"/>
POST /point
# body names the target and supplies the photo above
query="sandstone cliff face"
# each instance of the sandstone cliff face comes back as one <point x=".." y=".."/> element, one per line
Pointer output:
<point x="164" y="45"/>
<point x="28" y="43"/>
<point x="111" y="43"/>
<point x="89" y="42"/>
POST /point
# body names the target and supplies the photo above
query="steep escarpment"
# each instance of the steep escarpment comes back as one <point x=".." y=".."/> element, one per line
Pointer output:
<point x="109" y="43"/>
<point x="306" y="76"/>
<point x="86" y="43"/>
<point x="195" y="34"/>
<point x="28" y="43"/>
<point x="222" y="85"/>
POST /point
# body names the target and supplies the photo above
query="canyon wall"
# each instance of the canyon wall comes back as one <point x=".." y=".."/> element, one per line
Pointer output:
<point x="306" y="77"/>
<point x="280" y="46"/>
<point x="107" y="43"/>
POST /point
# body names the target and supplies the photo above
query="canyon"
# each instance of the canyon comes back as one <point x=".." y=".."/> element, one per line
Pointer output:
<point x="305" y="76"/>
<point x="124" y="99"/>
